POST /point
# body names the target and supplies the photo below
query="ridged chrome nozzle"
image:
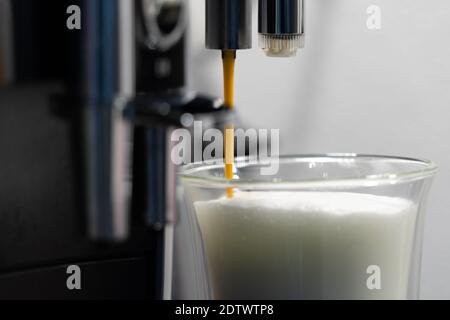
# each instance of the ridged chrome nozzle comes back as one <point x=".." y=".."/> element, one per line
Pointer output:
<point x="281" y="27"/>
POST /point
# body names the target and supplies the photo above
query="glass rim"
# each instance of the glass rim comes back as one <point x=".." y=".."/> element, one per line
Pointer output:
<point x="425" y="168"/>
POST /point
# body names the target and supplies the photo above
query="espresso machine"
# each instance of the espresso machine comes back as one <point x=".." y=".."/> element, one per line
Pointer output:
<point x="85" y="121"/>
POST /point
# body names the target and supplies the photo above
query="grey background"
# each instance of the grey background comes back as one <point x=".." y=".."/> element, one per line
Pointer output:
<point x="355" y="90"/>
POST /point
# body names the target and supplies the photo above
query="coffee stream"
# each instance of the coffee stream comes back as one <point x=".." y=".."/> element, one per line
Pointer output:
<point x="229" y="58"/>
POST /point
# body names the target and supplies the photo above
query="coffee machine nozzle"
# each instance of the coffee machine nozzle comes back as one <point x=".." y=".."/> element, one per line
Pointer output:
<point x="280" y="25"/>
<point x="228" y="24"/>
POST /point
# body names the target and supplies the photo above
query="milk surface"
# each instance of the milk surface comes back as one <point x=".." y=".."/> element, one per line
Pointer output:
<point x="306" y="245"/>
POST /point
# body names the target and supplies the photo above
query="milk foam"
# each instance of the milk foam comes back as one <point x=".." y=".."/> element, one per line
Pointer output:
<point x="311" y="245"/>
<point x="320" y="203"/>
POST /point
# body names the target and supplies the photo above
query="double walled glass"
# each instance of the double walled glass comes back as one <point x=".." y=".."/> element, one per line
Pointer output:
<point x="322" y="227"/>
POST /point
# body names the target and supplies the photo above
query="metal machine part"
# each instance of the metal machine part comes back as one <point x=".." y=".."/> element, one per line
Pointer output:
<point x="164" y="23"/>
<point x="281" y="27"/>
<point x="228" y="24"/>
<point x="128" y="63"/>
<point x="105" y="191"/>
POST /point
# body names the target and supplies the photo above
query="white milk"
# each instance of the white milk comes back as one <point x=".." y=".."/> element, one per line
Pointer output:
<point x="307" y="245"/>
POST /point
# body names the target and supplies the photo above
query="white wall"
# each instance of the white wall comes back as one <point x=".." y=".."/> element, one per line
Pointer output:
<point x="355" y="90"/>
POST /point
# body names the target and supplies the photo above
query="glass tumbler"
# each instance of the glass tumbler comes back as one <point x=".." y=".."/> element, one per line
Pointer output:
<point x="336" y="226"/>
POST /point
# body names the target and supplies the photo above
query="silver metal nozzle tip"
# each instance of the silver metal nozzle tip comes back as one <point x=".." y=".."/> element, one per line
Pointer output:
<point x="281" y="45"/>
